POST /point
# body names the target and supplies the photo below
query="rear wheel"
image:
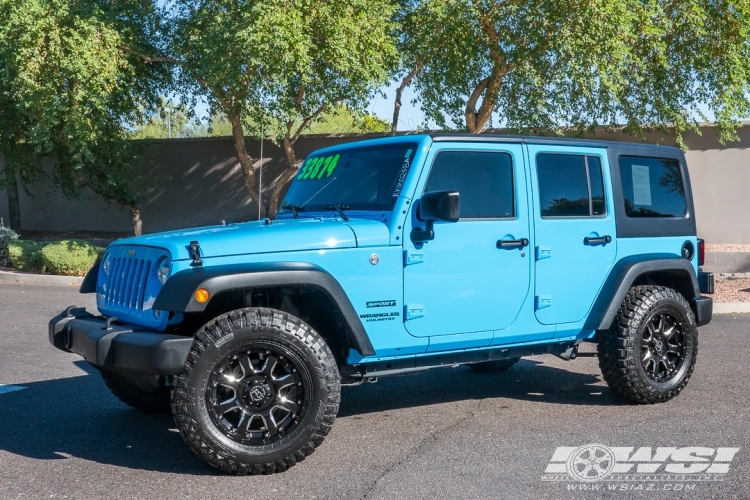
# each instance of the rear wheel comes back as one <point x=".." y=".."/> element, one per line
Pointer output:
<point x="649" y="352"/>
<point x="259" y="392"/>
<point x="499" y="365"/>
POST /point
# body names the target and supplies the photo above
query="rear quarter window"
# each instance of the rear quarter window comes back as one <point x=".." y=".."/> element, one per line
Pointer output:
<point x="652" y="187"/>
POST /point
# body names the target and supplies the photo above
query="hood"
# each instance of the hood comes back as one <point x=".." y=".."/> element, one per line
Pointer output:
<point x="286" y="235"/>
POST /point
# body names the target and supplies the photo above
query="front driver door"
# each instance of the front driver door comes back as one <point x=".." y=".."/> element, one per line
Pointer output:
<point x="474" y="276"/>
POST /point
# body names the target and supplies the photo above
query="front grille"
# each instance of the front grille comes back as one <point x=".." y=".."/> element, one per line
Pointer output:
<point x="127" y="283"/>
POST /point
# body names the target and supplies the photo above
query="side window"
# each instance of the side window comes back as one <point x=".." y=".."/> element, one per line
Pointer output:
<point x="570" y="185"/>
<point x="652" y="187"/>
<point x="484" y="181"/>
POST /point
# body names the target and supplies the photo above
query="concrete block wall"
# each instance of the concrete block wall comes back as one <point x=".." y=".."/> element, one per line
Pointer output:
<point x="199" y="182"/>
<point x="727" y="262"/>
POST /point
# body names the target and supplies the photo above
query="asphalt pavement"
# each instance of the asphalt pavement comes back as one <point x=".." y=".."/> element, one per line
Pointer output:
<point x="446" y="433"/>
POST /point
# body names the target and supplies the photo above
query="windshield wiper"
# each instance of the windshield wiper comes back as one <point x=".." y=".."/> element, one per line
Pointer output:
<point x="293" y="208"/>
<point x="339" y="208"/>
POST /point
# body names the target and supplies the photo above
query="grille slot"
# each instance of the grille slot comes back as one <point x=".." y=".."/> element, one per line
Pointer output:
<point x="127" y="283"/>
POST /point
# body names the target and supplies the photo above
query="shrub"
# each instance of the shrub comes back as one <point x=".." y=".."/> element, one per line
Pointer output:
<point x="66" y="257"/>
<point x="6" y="236"/>
<point x="25" y="255"/>
<point x="70" y="257"/>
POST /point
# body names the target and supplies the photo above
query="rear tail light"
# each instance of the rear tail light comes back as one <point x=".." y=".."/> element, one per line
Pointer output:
<point x="701" y="252"/>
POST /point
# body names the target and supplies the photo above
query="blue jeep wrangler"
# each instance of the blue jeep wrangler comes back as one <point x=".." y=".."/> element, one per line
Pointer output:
<point x="392" y="256"/>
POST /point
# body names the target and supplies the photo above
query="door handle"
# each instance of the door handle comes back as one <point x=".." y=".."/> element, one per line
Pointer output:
<point x="512" y="243"/>
<point x="597" y="241"/>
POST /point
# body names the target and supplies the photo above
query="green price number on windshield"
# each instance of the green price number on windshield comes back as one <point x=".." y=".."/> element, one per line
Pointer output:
<point x="321" y="167"/>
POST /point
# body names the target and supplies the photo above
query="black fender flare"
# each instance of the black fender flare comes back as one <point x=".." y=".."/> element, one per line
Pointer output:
<point x="178" y="293"/>
<point x="623" y="275"/>
<point x="89" y="282"/>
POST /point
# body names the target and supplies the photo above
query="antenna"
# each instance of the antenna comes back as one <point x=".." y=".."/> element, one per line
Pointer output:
<point x="260" y="176"/>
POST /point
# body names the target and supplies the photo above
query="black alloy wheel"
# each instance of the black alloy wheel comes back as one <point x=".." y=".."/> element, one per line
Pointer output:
<point x="662" y="347"/>
<point x="257" y="395"/>
<point x="648" y="353"/>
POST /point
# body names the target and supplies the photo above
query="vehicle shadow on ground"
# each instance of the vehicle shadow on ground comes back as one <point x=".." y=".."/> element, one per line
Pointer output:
<point x="78" y="417"/>
<point x="529" y="380"/>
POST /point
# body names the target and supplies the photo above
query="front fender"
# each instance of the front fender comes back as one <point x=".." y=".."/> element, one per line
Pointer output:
<point x="178" y="293"/>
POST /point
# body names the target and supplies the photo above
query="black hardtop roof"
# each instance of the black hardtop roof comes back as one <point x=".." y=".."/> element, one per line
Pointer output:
<point x="562" y="141"/>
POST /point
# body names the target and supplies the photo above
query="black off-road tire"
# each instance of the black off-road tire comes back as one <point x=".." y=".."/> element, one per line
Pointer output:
<point x="240" y="346"/>
<point x="626" y="350"/>
<point x="153" y="401"/>
<point x="498" y="365"/>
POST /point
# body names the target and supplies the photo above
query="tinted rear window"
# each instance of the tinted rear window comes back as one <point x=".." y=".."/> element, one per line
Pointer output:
<point x="570" y="185"/>
<point x="652" y="187"/>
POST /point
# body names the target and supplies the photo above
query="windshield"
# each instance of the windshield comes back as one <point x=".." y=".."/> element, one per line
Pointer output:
<point x="366" y="178"/>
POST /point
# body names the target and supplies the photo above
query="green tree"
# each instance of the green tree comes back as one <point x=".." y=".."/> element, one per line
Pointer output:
<point x="71" y="83"/>
<point x="166" y="120"/>
<point x="543" y="64"/>
<point x="340" y="119"/>
<point x="276" y="66"/>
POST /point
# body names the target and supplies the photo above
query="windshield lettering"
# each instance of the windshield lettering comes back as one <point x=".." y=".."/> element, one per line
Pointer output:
<point x="360" y="178"/>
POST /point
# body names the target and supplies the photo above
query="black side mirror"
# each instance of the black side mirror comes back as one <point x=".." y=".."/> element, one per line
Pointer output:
<point x="437" y="205"/>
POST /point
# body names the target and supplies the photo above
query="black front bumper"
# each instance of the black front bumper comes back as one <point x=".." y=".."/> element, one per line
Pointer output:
<point x="118" y="348"/>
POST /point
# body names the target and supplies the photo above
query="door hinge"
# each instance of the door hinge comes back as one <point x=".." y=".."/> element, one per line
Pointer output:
<point x="543" y="252"/>
<point x="412" y="257"/>
<point x="414" y="311"/>
<point x="542" y="301"/>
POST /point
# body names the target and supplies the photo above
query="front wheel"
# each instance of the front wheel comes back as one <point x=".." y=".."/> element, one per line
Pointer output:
<point x="649" y="352"/>
<point x="259" y="392"/>
<point x="142" y="392"/>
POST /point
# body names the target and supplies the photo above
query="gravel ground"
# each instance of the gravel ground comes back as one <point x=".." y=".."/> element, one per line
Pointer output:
<point x="727" y="247"/>
<point x="731" y="290"/>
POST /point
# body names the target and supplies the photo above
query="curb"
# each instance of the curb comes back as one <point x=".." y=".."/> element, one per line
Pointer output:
<point x="732" y="307"/>
<point x="39" y="278"/>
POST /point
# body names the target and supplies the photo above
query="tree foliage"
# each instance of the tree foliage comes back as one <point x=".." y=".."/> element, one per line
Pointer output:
<point x="544" y="64"/>
<point x="70" y="82"/>
<point x="277" y="65"/>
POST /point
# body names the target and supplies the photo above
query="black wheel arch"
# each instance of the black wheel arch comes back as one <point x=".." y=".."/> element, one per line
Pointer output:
<point x="178" y="295"/>
<point x="649" y="269"/>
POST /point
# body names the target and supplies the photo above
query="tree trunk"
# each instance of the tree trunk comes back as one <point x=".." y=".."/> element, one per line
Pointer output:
<point x="399" y="91"/>
<point x="246" y="163"/>
<point x="14" y="207"/>
<point x="135" y="219"/>
<point x="286" y="177"/>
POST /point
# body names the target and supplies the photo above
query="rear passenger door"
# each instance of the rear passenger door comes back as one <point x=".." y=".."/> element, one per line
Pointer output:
<point x="574" y="227"/>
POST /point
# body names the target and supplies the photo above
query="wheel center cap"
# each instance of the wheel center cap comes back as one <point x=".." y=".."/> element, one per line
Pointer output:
<point x="257" y="394"/>
<point x="658" y="346"/>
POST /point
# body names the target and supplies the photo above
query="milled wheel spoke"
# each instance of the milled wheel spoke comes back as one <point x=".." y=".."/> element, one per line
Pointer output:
<point x="271" y="426"/>
<point x="289" y="405"/>
<point x="247" y="366"/>
<point x="225" y="406"/>
<point x="647" y="356"/>
<point x="243" y="426"/>
<point x="269" y="366"/>
<point x="285" y="381"/>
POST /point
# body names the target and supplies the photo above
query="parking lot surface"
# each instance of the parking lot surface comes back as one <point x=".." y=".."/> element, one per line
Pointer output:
<point x="446" y="433"/>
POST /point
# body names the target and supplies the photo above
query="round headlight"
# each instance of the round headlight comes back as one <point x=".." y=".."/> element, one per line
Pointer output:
<point x="163" y="271"/>
<point x="105" y="264"/>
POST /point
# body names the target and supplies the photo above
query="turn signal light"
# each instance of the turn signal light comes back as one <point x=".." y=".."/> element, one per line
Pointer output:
<point x="202" y="295"/>
<point x="701" y="252"/>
